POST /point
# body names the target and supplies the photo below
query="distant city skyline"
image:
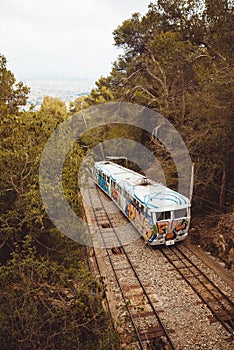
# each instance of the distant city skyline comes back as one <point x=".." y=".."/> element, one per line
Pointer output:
<point x="66" y="90"/>
<point x="60" y="39"/>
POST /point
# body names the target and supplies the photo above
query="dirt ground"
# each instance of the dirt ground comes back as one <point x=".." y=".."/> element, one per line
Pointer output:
<point x="215" y="234"/>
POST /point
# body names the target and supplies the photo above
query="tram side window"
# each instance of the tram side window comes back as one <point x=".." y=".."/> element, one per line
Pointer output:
<point x="151" y="218"/>
<point x="138" y="206"/>
<point x="127" y="196"/>
<point x="165" y="215"/>
<point x="180" y="213"/>
<point x="145" y="212"/>
<point x="108" y="179"/>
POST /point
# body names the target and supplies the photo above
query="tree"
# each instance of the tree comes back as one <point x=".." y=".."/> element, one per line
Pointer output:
<point x="54" y="107"/>
<point x="49" y="299"/>
<point x="79" y="104"/>
<point x="47" y="305"/>
<point x="12" y="95"/>
<point x="178" y="60"/>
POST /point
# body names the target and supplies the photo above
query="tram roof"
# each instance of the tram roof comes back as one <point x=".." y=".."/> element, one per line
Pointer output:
<point x="155" y="196"/>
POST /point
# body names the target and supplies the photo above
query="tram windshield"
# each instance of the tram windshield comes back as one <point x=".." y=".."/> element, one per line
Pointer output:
<point x="180" y="213"/>
<point x="165" y="215"/>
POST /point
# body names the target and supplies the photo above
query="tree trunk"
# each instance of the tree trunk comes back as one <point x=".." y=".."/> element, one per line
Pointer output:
<point x="222" y="191"/>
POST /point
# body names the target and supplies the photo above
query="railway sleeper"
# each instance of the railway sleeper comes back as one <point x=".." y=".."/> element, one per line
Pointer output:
<point x="128" y="287"/>
<point x="221" y="300"/>
<point x="105" y="224"/>
<point x="147" y="314"/>
<point x="98" y="208"/>
<point x="150" y="334"/>
<point x="117" y="250"/>
<point x="124" y="268"/>
<point x="224" y="316"/>
<point x="195" y="282"/>
<point x="181" y="267"/>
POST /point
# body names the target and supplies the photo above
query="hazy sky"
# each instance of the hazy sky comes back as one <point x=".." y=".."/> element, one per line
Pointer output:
<point x="50" y="39"/>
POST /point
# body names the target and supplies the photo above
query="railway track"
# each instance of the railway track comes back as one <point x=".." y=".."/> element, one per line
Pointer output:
<point x="145" y="325"/>
<point x="220" y="305"/>
<point x="137" y="301"/>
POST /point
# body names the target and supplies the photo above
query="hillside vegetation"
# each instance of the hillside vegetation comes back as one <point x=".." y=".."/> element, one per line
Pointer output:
<point x="177" y="59"/>
<point x="49" y="298"/>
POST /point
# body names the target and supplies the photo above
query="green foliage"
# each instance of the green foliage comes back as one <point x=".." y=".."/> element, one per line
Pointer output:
<point x="79" y="104"/>
<point x="48" y="297"/>
<point x="19" y="169"/>
<point x="46" y="305"/>
<point x="22" y="209"/>
<point x="101" y="94"/>
<point x="54" y="107"/>
<point x="178" y="60"/>
<point x="12" y="95"/>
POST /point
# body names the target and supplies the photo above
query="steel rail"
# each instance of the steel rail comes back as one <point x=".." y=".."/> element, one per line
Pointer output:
<point x="137" y="277"/>
<point x="197" y="292"/>
<point x="117" y="279"/>
<point x="198" y="278"/>
<point x="206" y="277"/>
<point x="139" y="280"/>
<point x="216" y="289"/>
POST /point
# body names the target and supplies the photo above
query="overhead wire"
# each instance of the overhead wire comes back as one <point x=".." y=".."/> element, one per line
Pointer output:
<point x="215" y="184"/>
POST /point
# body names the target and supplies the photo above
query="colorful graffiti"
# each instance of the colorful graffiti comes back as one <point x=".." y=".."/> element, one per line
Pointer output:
<point x="179" y="226"/>
<point x="142" y="223"/>
<point x="170" y="229"/>
<point x="115" y="195"/>
<point x="150" y="231"/>
<point x="103" y="183"/>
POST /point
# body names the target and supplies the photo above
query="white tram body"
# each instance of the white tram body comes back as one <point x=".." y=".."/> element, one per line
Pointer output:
<point x="161" y="215"/>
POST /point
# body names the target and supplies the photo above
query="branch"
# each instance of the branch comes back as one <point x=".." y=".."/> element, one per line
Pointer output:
<point x="160" y="69"/>
<point x="14" y="186"/>
<point x="130" y="76"/>
<point x="199" y="56"/>
<point x="145" y="90"/>
<point x="163" y="82"/>
<point x="25" y="165"/>
<point x="201" y="135"/>
<point x="28" y="173"/>
<point x="214" y="52"/>
<point x="154" y="76"/>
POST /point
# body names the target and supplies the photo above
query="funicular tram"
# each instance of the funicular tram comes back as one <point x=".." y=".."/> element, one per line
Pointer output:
<point x="161" y="215"/>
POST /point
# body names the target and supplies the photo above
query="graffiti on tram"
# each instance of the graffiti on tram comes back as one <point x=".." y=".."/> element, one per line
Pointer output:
<point x="150" y="231"/>
<point x="102" y="183"/>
